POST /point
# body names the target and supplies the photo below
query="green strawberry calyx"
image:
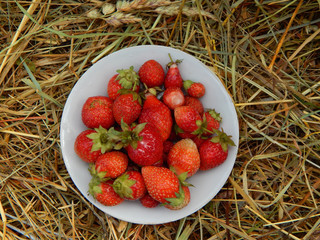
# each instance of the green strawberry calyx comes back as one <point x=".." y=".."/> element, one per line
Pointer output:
<point x="122" y="186"/>
<point x="223" y="139"/>
<point x="128" y="78"/>
<point x="128" y="135"/>
<point x="94" y="186"/>
<point x="187" y="84"/>
<point x="178" y="200"/>
<point x="96" y="173"/>
<point x="215" y="115"/>
<point x="100" y="140"/>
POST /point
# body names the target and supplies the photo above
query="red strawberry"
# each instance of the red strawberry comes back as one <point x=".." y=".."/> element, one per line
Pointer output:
<point x="173" y="97"/>
<point x="113" y="87"/>
<point x="143" y="142"/>
<point x="198" y="140"/>
<point x="97" y="111"/>
<point x="148" y="149"/>
<point x="194" y="89"/>
<point x="214" y="151"/>
<point x="187" y="118"/>
<point x="148" y="202"/>
<point x="211" y="121"/>
<point x="181" y="200"/>
<point x="130" y="185"/>
<point x="110" y="165"/>
<point x="161" y="183"/>
<point x="90" y="144"/>
<point x="127" y="107"/>
<point x="125" y="79"/>
<point x="158" y="115"/>
<point x="151" y="73"/>
<point x="195" y="103"/>
<point x="103" y="192"/>
<point x="184" y="157"/>
<point x="151" y="101"/>
<point x="173" y="77"/>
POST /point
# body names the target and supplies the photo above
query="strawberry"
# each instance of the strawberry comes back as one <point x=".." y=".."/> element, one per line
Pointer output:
<point x="158" y="114"/>
<point x="211" y="121"/>
<point x="184" y="157"/>
<point x="214" y="151"/>
<point x="161" y="183"/>
<point x="148" y="202"/>
<point x="151" y="73"/>
<point x="103" y="192"/>
<point x="130" y="185"/>
<point x="195" y="103"/>
<point x="97" y="111"/>
<point x="173" y="77"/>
<point x="109" y="165"/>
<point x="125" y="79"/>
<point x="90" y="144"/>
<point x="127" y="107"/>
<point x="181" y="200"/>
<point x="187" y="118"/>
<point x="198" y="140"/>
<point x="194" y="89"/>
<point x="173" y="97"/>
<point x="142" y="142"/>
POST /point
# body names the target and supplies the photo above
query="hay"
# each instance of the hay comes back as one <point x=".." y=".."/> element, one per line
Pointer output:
<point x="266" y="54"/>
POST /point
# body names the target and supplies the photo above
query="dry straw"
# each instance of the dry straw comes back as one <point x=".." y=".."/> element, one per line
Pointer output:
<point x="266" y="53"/>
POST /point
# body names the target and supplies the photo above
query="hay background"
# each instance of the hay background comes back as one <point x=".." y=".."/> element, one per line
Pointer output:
<point x="265" y="52"/>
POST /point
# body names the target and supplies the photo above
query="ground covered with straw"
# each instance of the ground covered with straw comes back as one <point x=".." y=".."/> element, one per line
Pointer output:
<point x="265" y="52"/>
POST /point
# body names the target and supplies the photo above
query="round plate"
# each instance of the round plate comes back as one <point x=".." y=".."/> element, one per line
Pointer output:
<point x="94" y="82"/>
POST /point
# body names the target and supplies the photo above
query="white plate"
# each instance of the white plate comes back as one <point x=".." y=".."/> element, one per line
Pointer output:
<point x="94" y="82"/>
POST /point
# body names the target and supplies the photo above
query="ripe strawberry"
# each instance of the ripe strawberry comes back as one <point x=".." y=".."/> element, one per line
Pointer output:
<point x="211" y="121"/>
<point x="195" y="103"/>
<point x="194" y="89"/>
<point x="187" y="118"/>
<point x="173" y="77"/>
<point x="184" y="157"/>
<point x="143" y="142"/>
<point x="161" y="183"/>
<point x="148" y="149"/>
<point x="97" y="111"/>
<point x="127" y="107"/>
<point x="148" y="202"/>
<point x="181" y="200"/>
<point x="158" y="114"/>
<point x="173" y="97"/>
<point x="125" y="79"/>
<point x="198" y="140"/>
<point x="151" y="73"/>
<point x="214" y="151"/>
<point x="110" y="165"/>
<point x="90" y="144"/>
<point x="103" y="192"/>
<point x="130" y="185"/>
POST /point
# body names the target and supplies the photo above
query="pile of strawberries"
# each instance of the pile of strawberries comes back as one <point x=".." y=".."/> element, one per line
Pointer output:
<point x="148" y="135"/>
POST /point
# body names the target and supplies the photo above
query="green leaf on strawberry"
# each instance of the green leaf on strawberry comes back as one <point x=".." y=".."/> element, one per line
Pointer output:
<point x="100" y="140"/>
<point x="128" y="78"/>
